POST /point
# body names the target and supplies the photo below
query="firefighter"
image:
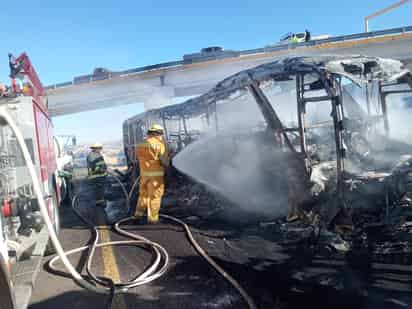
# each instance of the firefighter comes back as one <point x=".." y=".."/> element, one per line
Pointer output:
<point x="97" y="172"/>
<point x="153" y="158"/>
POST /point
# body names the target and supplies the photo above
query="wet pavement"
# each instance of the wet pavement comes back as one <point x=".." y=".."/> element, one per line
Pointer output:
<point x="275" y="275"/>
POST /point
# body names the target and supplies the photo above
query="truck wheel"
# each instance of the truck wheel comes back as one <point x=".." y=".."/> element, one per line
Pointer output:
<point x="66" y="192"/>
<point x="63" y="191"/>
<point x="56" y="224"/>
<point x="6" y="294"/>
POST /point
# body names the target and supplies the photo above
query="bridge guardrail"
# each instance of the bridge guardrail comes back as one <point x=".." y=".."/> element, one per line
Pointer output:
<point x="164" y="65"/>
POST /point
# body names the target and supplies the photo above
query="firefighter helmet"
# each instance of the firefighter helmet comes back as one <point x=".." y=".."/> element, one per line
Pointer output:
<point x="96" y="146"/>
<point x="156" y="128"/>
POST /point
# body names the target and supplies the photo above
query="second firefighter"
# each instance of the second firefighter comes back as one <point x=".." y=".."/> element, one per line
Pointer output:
<point x="97" y="172"/>
<point x="153" y="158"/>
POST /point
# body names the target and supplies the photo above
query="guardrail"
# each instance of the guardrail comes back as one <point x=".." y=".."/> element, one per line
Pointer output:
<point x="165" y="65"/>
<point x="342" y="38"/>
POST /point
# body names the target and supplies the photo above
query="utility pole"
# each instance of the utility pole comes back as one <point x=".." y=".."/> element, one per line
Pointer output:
<point x="383" y="11"/>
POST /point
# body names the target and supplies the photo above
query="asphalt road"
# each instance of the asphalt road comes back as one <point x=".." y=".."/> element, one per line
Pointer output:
<point x="189" y="283"/>
<point x="275" y="277"/>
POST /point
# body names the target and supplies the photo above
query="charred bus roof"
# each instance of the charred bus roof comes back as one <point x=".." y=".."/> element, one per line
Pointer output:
<point x="358" y="69"/>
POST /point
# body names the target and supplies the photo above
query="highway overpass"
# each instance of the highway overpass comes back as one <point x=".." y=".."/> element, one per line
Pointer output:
<point x="156" y="85"/>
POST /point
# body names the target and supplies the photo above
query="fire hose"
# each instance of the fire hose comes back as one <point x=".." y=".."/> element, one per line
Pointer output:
<point x="4" y="114"/>
<point x="106" y="285"/>
<point x="198" y="248"/>
<point x="154" y="271"/>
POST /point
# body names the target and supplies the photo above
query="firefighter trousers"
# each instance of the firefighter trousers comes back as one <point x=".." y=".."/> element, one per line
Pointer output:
<point x="99" y="188"/>
<point x="151" y="189"/>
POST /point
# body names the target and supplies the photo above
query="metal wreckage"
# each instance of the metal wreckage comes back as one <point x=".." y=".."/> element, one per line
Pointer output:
<point x="321" y="131"/>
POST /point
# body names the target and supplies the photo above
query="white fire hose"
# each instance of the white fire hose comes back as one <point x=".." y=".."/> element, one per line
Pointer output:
<point x="42" y="204"/>
<point x="157" y="269"/>
<point x="159" y="265"/>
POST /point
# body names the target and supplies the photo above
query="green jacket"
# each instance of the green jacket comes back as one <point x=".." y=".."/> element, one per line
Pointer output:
<point x="96" y="167"/>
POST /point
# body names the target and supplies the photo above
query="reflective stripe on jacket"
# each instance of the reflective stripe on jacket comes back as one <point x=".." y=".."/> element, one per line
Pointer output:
<point x="94" y="176"/>
<point x="152" y="156"/>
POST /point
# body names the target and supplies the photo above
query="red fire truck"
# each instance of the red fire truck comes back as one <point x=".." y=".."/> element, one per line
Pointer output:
<point x="23" y="235"/>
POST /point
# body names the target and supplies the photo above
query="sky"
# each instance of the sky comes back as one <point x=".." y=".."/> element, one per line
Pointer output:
<point x="65" y="39"/>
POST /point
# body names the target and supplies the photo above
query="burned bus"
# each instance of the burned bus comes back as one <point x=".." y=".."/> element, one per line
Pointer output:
<point x="303" y="132"/>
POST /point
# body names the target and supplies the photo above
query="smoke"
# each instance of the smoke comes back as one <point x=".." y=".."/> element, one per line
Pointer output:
<point x="399" y="111"/>
<point x="243" y="169"/>
<point x="381" y="152"/>
<point x="239" y="160"/>
<point x="158" y="97"/>
<point x="400" y="115"/>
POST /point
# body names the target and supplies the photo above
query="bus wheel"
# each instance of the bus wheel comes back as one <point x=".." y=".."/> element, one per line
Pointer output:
<point x="56" y="224"/>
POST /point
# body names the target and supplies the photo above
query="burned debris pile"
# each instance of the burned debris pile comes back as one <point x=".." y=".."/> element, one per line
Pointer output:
<point x="188" y="199"/>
